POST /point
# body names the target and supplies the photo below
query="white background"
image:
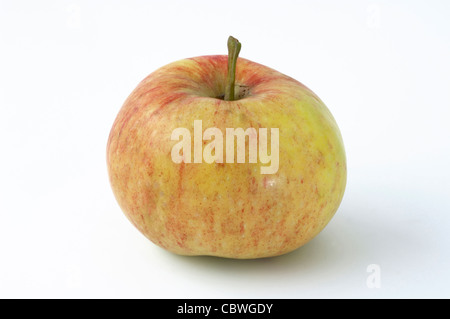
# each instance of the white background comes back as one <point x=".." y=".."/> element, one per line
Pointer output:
<point x="382" y="68"/>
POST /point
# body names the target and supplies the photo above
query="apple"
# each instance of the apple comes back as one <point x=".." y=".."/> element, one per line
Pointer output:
<point x="218" y="155"/>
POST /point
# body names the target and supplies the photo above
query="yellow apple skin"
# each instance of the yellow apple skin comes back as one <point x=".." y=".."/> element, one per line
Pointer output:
<point x="226" y="209"/>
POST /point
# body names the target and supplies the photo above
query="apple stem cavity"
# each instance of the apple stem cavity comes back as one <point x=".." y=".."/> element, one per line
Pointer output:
<point x="234" y="47"/>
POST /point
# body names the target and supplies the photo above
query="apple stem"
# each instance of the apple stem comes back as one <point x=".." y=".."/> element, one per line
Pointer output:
<point x="234" y="47"/>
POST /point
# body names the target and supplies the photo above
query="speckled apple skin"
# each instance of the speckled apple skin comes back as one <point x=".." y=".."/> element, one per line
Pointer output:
<point x="226" y="209"/>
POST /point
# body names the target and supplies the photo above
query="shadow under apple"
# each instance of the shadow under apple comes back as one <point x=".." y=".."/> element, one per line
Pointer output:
<point x="326" y="257"/>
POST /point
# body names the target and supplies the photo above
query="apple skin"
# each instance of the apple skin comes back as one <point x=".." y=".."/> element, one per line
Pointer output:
<point x="225" y="209"/>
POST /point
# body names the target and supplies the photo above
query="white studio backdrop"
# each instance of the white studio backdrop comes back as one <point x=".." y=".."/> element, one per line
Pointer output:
<point x="381" y="67"/>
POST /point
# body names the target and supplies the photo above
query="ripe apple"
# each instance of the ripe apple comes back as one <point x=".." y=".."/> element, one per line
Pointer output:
<point x="202" y="202"/>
